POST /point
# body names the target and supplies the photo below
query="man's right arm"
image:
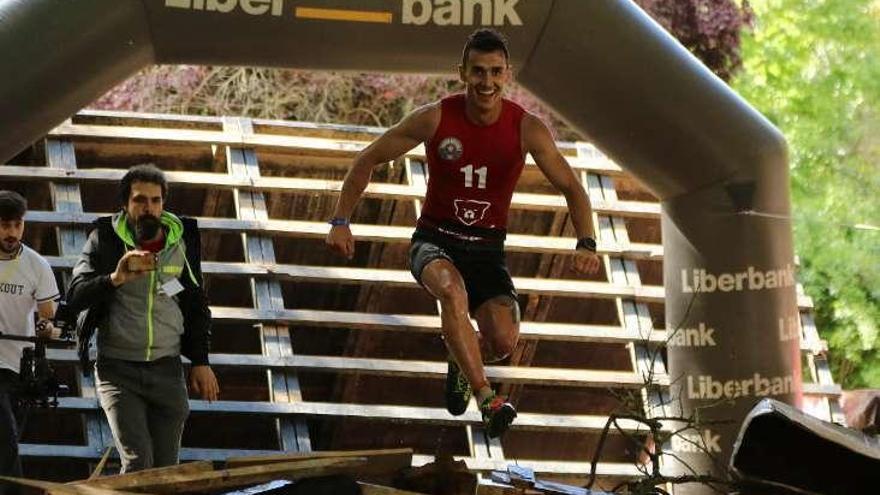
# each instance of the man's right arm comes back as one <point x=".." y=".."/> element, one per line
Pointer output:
<point x="88" y="285"/>
<point x="91" y="284"/>
<point x="415" y="128"/>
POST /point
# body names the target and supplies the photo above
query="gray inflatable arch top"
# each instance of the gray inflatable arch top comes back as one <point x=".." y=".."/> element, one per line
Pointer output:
<point x="603" y="65"/>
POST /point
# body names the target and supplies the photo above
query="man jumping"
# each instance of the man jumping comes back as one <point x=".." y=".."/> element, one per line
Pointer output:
<point x="476" y="143"/>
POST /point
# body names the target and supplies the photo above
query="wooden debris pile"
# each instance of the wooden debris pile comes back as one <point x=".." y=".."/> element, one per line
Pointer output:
<point x="366" y="472"/>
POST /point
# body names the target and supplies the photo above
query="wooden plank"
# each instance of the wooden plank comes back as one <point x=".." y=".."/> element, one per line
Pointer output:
<point x="555" y="287"/>
<point x="212" y="204"/>
<point x="482" y="447"/>
<point x="426" y="323"/>
<point x="125" y="118"/>
<point x="402" y="278"/>
<point x="829" y="390"/>
<point x="369" y="296"/>
<point x="821" y="372"/>
<point x="543" y="466"/>
<point x="588" y="153"/>
<point x="422" y="323"/>
<point x="563" y="332"/>
<point x="313" y="145"/>
<point x="225" y="479"/>
<point x="375" y="233"/>
<point x="537" y="307"/>
<point x="408" y="414"/>
<point x="536" y="330"/>
<point x="437" y="370"/>
<point x="146" y="476"/>
<point x="121" y="119"/>
<point x="130" y="119"/>
<point x="378" y="462"/>
<point x="633" y="314"/>
<point x="85" y="452"/>
<point x="579" y="152"/>
<point x="483" y="465"/>
<point x="811" y="334"/>
<point x="293" y="435"/>
<point x="526" y="375"/>
<point x="216" y="181"/>
<point x="195" y="137"/>
<point x="51" y="488"/>
<point x="68" y="198"/>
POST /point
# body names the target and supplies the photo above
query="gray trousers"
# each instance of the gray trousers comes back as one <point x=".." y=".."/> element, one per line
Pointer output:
<point x="146" y="405"/>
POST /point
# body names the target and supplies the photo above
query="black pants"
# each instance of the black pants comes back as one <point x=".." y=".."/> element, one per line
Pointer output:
<point x="10" y="463"/>
<point x="482" y="265"/>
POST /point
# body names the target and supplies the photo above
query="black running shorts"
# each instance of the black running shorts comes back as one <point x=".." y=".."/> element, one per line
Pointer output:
<point x="482" y="265"/>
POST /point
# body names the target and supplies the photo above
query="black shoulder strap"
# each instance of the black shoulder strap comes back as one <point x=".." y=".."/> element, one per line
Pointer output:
<point x="88" y="319"/>
<point x="110" y="244"/>
<point x="193" y="241"/>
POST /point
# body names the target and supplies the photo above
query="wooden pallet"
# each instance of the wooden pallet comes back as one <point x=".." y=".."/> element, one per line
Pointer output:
<point x="267" y="186"/>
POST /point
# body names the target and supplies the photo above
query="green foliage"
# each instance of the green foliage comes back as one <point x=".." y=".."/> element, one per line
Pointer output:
<point x="813" y="68"/>
<point x="710" y="29"/>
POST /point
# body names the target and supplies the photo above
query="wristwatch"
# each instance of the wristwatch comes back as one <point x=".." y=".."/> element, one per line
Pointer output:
<point x="337" y="221"/>
<point x="587" y="243"/>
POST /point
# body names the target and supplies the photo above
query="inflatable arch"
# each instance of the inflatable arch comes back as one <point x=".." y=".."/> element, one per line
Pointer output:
<point x="603" y="65"/>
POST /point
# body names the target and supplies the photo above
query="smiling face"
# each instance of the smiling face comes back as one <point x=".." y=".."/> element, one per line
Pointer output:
<point x="485" y="74"/>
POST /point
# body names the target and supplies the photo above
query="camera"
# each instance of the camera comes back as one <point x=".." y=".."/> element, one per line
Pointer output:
<point x="38" y="384"/>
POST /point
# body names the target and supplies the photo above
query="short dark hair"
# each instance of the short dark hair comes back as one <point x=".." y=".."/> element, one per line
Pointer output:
<point x="13" y="206"/>
<point x="142" y="173"/>
<point x="485" y="40"/>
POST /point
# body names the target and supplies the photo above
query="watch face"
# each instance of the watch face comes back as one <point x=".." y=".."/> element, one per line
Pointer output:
<point x="587" y="243"/>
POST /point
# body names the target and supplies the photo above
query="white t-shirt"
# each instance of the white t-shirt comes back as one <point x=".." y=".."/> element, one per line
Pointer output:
<point x="24" y="281"/>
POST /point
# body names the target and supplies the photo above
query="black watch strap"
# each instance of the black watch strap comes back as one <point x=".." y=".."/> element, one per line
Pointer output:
<point x="337" y="221"/>
<point x="587" y="243"/>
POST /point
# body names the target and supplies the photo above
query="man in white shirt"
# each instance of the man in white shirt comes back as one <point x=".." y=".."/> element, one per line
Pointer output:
<point x="27" y="284"/>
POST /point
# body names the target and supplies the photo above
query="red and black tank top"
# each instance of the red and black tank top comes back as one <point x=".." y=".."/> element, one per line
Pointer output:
<point x="472" y="169"/>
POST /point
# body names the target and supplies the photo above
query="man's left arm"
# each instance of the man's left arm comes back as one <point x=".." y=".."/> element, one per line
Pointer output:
<point x="538" y="141"/>
<point x="201" y="377"/>
<point x="45" y="313"/>
<point x="46" y="293"/>
<point x="197" y="318"/>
